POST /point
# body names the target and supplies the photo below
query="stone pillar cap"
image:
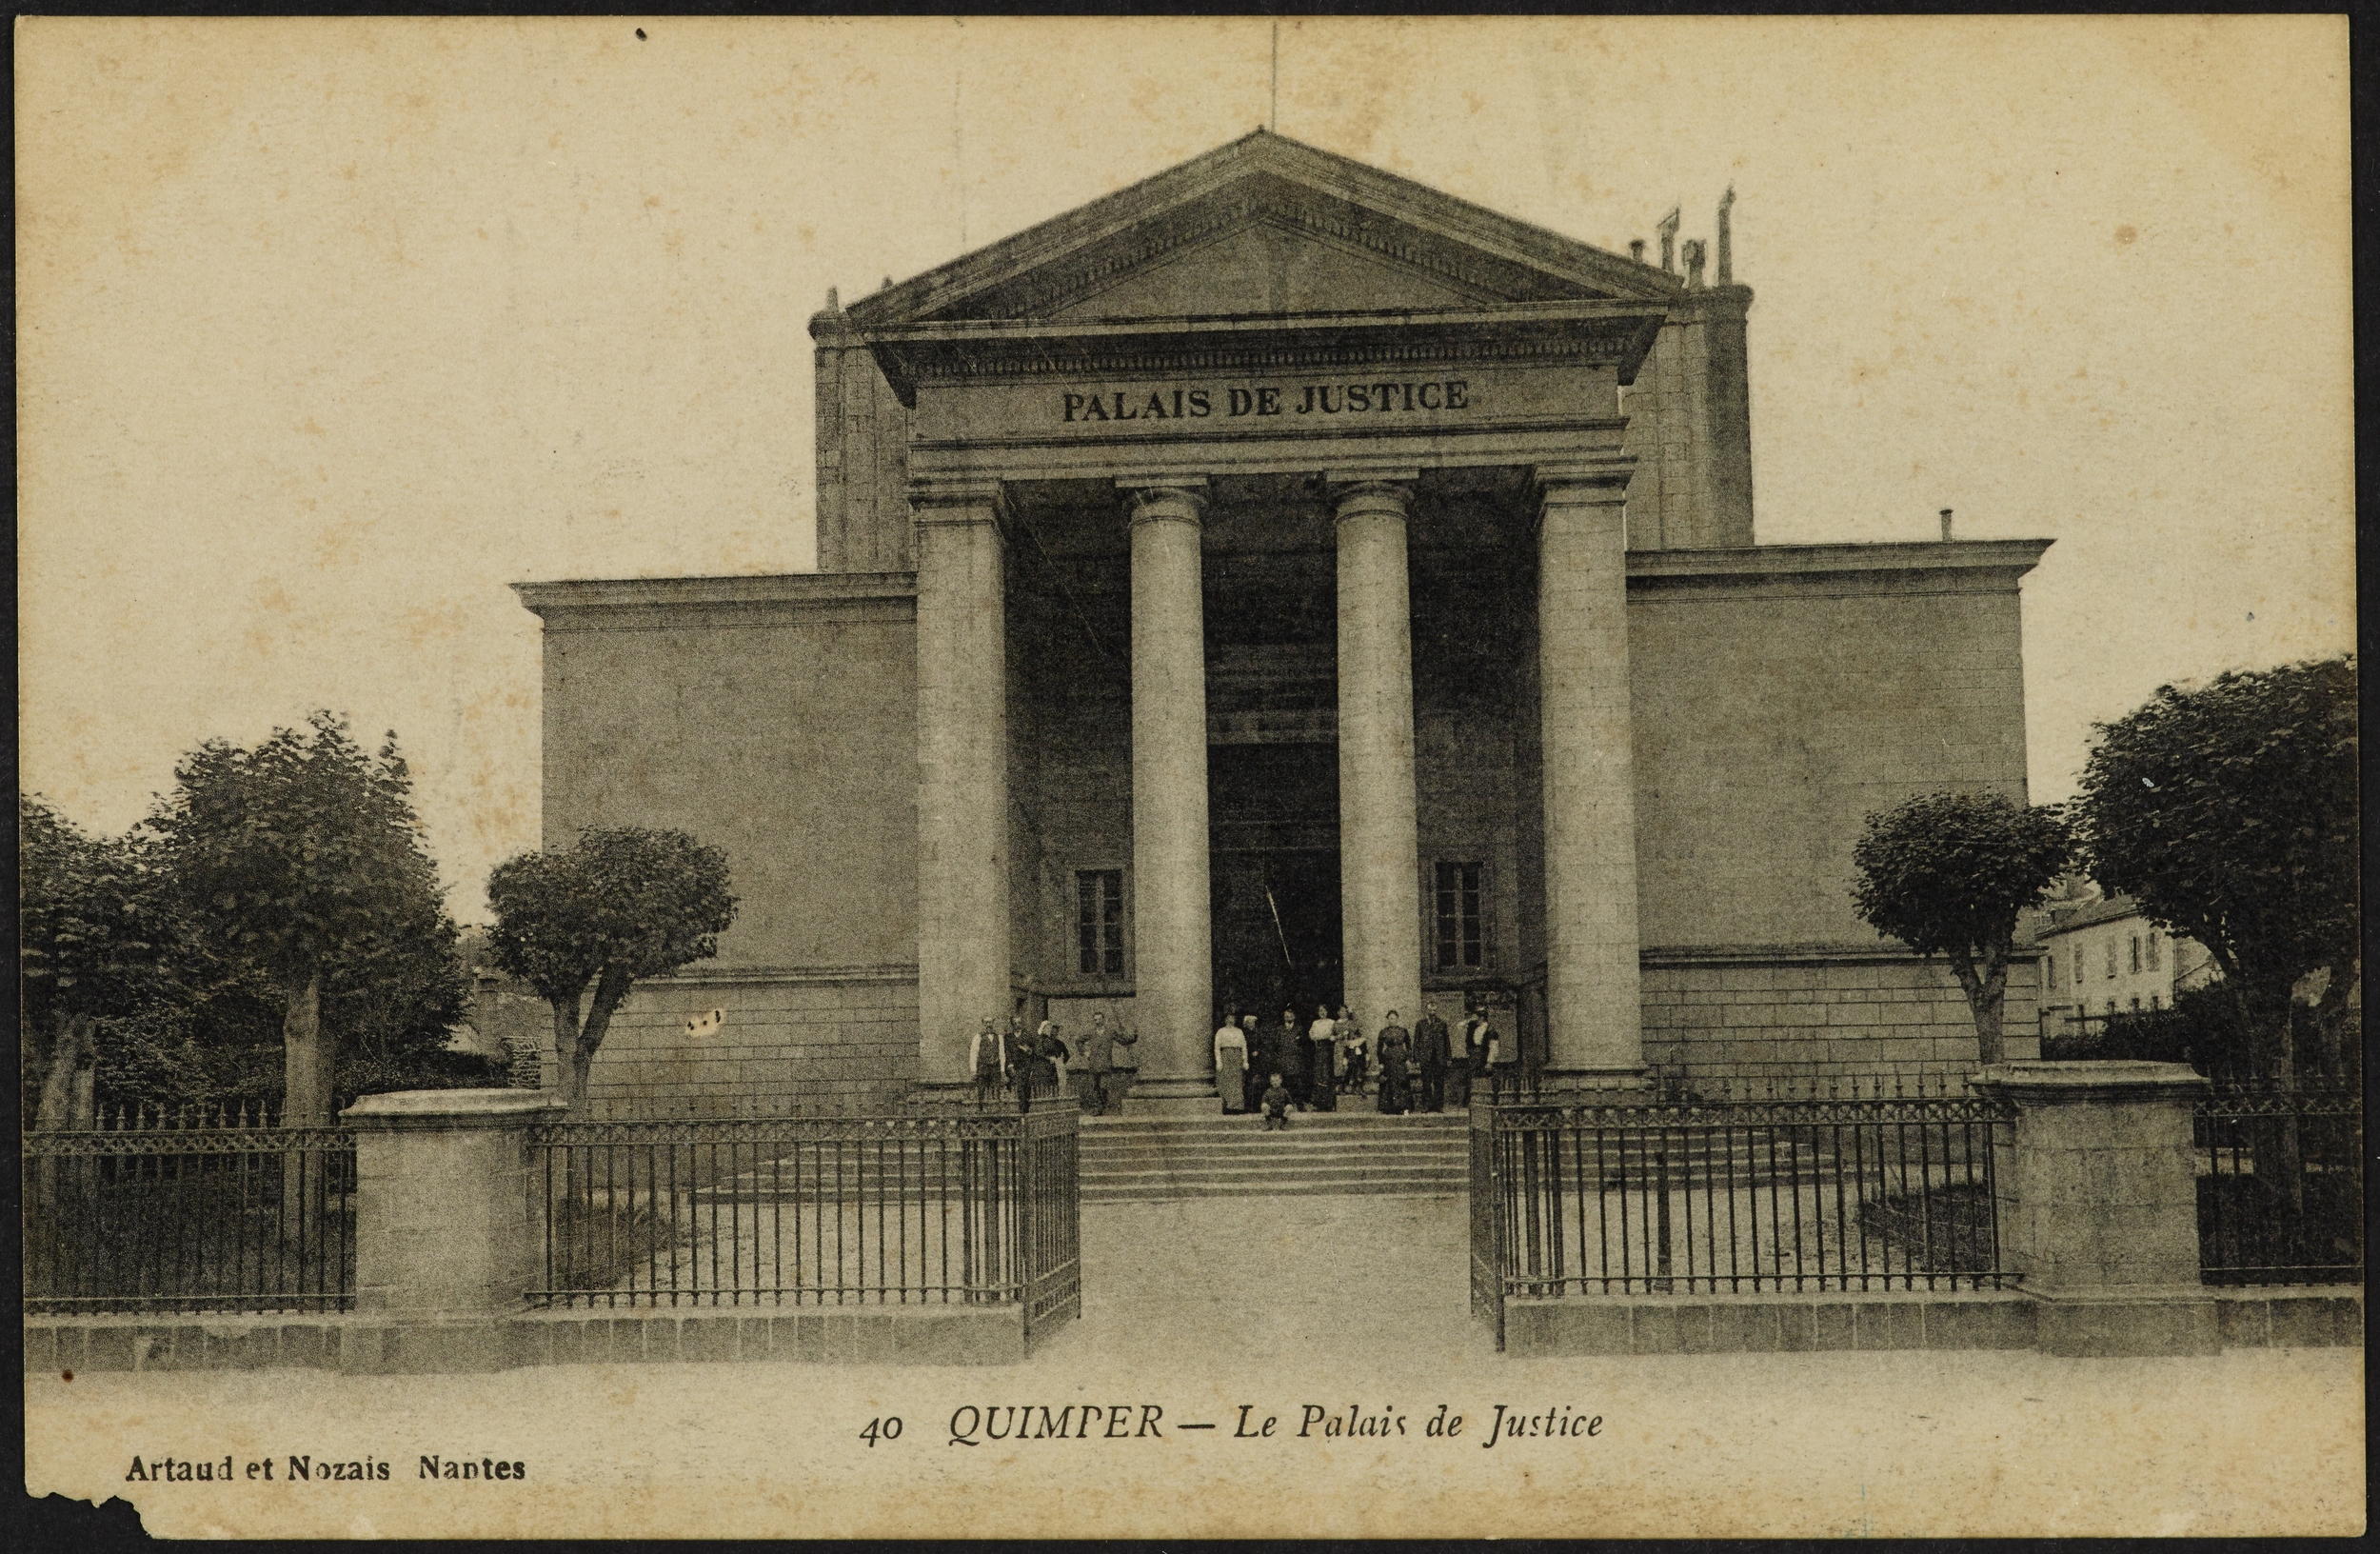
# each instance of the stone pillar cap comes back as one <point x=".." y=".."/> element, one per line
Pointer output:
<point x="452" y="1108"/>
<point x="2108" y="1078"/>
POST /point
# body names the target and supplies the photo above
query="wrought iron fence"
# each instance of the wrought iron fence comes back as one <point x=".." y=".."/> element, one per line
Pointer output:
<point x="975" y="1208"/>
<point x="1613" y="1193"/>
<point x="2280" y="1184"/>
<point x="189" y="1211"/>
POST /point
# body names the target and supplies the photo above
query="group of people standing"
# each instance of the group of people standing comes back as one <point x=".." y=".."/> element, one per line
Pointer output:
<point x="1294" y="1065"/>
<point x="1306" y="1066"/>
<point x="1035" y="1064"/>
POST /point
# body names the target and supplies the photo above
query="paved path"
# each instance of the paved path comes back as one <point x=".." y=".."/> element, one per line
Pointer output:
<point x="1284" y="1305"/>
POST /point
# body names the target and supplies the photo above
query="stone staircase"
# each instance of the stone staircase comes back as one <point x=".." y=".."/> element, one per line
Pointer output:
<point x="1139" y="1157"/>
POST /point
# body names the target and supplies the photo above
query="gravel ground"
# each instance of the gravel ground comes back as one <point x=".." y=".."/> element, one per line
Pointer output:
<point x="1294" y="1307"/>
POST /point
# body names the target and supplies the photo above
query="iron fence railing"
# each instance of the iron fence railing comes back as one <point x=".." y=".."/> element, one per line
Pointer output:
<point x="1613" y="1193"/>
<point x="2280" y="1184"/>
<point x="974" y="1207"/>
<point x="188" y="1212"/>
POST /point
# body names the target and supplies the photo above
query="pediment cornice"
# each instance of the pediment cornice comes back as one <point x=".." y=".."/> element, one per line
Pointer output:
<point x="1264" y="179"/>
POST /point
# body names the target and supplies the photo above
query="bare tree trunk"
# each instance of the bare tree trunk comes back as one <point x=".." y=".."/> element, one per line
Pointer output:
<point x="305" y="1058"/>
<point x="573" y="1079"/>
<point x="304" y="1099"/>
<point x="68" y="1053"/>
<point x="1989" y="1006"/>
<point x="2329" y="1014"/>
<point x="1986" y="994"/>
<point x="64" y="1102"/>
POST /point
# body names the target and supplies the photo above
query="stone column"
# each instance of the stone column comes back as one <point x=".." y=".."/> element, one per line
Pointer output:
<point x="2098" y="1204"/>
<point x="1172" y="953"/>
<point x="1593" y="1022"/>
<point x="446" y="1235"/>
<point x="963" y="775"/>
<point x="1379" y="871"/>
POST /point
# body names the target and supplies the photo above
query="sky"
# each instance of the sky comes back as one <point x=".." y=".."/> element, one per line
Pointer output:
<point x="330" y="330"/>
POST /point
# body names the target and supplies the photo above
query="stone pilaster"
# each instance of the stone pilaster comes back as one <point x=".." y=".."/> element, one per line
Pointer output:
<point x="2098" y="1204"/>
<point x="1593" y="1024"/>
<point x="1380" y="887"/>
<point x="1172" y="951"/>
<point x="963" y="774"/>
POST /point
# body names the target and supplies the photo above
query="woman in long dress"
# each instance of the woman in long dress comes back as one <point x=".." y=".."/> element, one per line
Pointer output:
<point x="1396" y="1082"/>
<point x="1231" y="1064"/>
<point x="1324" y="1084"/>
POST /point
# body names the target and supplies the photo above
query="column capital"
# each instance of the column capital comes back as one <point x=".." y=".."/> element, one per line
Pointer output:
<point x="1383" y="495"/>
<point x="1587" y="482"/>
<point x="1179" y="500"/>
<point x="958" y="499"/>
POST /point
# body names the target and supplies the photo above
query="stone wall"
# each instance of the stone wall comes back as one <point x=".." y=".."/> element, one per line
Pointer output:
<point x="1781" y="695"/>
<point x="806" y="1042"/>
<point x="773" y="717"/>
<point x="863" y="450"/>
<point x="1756" y="1015"/>
<point x="1690" y="428"/>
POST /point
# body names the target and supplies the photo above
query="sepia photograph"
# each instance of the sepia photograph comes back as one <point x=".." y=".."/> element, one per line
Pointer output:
<point x="1179" y="778"/>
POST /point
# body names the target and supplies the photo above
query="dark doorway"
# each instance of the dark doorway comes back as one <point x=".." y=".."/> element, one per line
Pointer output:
<point x="1276" y="931"/>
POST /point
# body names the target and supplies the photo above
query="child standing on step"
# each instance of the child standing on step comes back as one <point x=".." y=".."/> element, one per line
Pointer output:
<point x="1276" y="1105"/>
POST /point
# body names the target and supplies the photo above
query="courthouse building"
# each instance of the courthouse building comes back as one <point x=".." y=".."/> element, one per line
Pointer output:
<point x="1281" y="584"/>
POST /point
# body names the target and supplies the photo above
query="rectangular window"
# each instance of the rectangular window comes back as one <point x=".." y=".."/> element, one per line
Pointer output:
<point x="2048" y="971"/>
<point x="1461" y="940"/>
<point x="2110" y="957"/>
<point x="2153" y="951"/>
<point x="1100" y="921"/>
<point x="2155" y="1001"/>
<point x="2135" y="954"/>
<point x="2136" y="1005"/>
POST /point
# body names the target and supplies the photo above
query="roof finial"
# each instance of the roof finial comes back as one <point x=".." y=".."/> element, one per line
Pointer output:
<point x="1667" y="231"/>
<point x="1727" y="247"/>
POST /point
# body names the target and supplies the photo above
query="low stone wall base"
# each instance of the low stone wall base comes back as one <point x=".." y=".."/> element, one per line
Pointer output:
<point x="363" y="1345"/>
<point x="2134" y="1323"/>
<point x="2186" y="1322"/>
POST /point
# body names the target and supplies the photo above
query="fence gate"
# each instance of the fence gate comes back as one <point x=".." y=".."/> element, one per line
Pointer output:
<point x="1052" y="1218"/>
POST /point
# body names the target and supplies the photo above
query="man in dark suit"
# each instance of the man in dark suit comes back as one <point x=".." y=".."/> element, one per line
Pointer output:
<point x="1430" y="1051"/>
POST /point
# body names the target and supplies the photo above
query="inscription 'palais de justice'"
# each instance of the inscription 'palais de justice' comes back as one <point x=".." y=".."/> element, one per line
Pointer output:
<point x="1298" y="398"/>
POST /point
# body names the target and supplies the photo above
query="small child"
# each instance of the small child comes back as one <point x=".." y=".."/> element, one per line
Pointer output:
<point x="1276" y="1105"/>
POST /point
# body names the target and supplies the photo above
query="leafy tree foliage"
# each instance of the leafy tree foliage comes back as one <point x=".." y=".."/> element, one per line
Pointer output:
<point x="2229" y="812"/>
<point x="88" y="932"/>
<point x="624" y="904"/>
<point x="1948" y="873"/>
<point x="302" y="860"/>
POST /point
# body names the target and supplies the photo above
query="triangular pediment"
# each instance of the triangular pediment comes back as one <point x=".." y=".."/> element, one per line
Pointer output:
<point x="1264" y="226"/>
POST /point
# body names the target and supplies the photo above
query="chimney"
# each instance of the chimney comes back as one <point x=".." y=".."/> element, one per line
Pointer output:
<point x="1946" y="525"/>
<point x="834" y="303"/>
<point x="1667" y="231"/>
<point x="1727" y="247"/>
<point x="1694" y="264"/>
<point x="1636" y="250"/>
